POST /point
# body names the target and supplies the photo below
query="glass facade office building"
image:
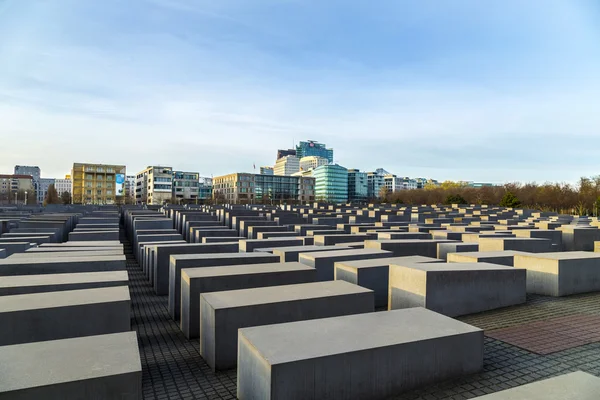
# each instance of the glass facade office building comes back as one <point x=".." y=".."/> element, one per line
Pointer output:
<point x="357" y="186"/>
<point x="312" y="148"/>
<point x="242" y="188"/>
<point x="331" y="183"/>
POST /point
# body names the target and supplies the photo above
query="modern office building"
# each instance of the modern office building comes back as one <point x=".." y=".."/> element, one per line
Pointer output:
<point x="98" y="183"/>
<point x="286" y="166"/>
<point x="244" y="188"/>
<point x="375" y="180"/>
<point x="313" y="162"/>
<point x="408" y="183"/>
<point x="205" y="188"/>
<point x="185" y="186"/>
<point x="130" y="186"/>
<point x="357" y="186"/>
<point x="283" y="153"/>
<point x="331" y="183"/>
<point x="266" y="171"/>
<point x="314" y="148"/>
<point x="393" y="183"/>
<point x="154" y="185"/>
<point x="64" y="185"/>
<point x="16" y="189"/>
<point x="36" y="173"/>
<point x="43" y="188"/>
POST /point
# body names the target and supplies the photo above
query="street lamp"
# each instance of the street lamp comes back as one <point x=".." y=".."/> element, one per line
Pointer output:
<point x="26" y="197"/>
<point x="16" y="198"/>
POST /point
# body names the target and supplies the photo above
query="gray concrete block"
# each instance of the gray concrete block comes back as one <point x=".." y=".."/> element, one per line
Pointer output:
<point x="223" y="313"/>
<point x="407" y="247"/>
<point x="355" y="357"/>
<point x="493" y="257"/>
<point x="93" y="236"/>
<point x="59" y="265"/>
<point x="560" y="274"/>
<point x="179" y="261"/>
<point x="104" y="367"/>
<point x="3" y="254"/>
<point x="529" y="245"/>
<point x="224" y="239"/>
<point x="374" y="274"/>
<point x="66" y="314"/>
<point x="195" y="281"/>
<point x="15" y="247"/>
<point x="25" y="284"/>
<point x="249" y="245"/>
<point x="402" y="235"/>
<point x="324" y="261"/>
<point x="163" y="252"/>
<point x="443" y="249"/>
<point x="289" y="254"/>
<point x="455" y="289"/>
<point x="330" y="240"/>
<point x="576" y="238"/>
<point x="574" y="386"/>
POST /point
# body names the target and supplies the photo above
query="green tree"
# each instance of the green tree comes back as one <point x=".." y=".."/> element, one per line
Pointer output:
<point x="510" y="200"/>
<point x="455" y="199"/>
<point x="51" y="196"/>
<point x="65" y="197"/>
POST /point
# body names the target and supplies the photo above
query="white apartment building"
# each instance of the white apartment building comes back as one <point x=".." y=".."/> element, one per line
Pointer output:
<point x="64" y="185"/>
<point x="287" y="166"/>
<point x="312" y="162"/>
<point x="393" y="183"/>
<point x="154" y="185"/>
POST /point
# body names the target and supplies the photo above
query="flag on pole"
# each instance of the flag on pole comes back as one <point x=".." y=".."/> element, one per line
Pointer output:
<point x="254" y="166"/>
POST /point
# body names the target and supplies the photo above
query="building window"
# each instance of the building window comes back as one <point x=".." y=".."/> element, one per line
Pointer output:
<point x="99" y="192"/>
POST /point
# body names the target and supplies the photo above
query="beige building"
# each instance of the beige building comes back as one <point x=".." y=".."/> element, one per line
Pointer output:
<point x="286" y="166"/>
<point x="98" y="183"/>
<point x="244" y="188"/>
<point x="154" y="185"/>
<point x="16" y="188"/>
<point x="312" y="162"/>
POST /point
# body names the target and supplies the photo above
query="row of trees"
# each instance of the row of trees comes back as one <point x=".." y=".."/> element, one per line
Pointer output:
<point x="52" y="197"/>
<point x="581" y="199"/>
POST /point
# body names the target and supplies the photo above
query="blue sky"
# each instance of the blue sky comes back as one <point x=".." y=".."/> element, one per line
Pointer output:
<point x="465" y="89"/>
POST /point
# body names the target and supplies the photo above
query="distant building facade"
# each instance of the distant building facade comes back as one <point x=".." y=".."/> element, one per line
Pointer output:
<point x="312" y="162"/>
<point x="13" y="188"/>
<point x="43" y="188"/>
<point x="375" y="180"/>
<point x="186" y="185"/>
<point x="283" y="153"/>
<point x="357" y="186"/>
<point x="266" y="171"/>
<point x="331" y="183"/>
<point x="98" y="183"/>
<point x="393" y="183"/>
<point x="244" y="188"/>
<point x="154" y="185"/>
<point x="286" y="166"/>
<point x="36" y="174"/>
<point x="314" y="148"/>
<point x="205" y="188"/>
<point x="64" y="185"/>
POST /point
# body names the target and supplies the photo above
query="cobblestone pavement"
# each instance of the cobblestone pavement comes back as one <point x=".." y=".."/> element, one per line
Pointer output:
<point x="173" y="368"/>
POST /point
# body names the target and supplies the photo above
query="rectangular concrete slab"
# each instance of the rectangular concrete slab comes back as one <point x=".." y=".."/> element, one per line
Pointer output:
<point x="24" y="284"/>
<point x="179" y="261"/>
<point x="493" y="257"/>
<point x="324" y="261"/>
<point x="103" y="367"/>
<point x="223" y="313"/>
<point x="365" y="356"/>
<point x="290" y="254"/>
<point x="40" y="265"/>
<point x="455" y="289"/>
<point x="37" y="317"/>
<point x="561" y="274"/>
<point x="574" y="386"/>
<point x="195" y="281"/>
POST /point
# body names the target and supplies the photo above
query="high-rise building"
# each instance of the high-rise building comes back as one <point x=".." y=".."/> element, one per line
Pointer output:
<point x="36" y="173"/>
<point x="313" y="162"/>
<point x="286" y="166"/>
<point x="357" y="186"/>
<point x="63" y="185"/>
<point x="17" y="189"/>
<point x="205" y="189"/>
<point x="375" y="181"/>
<point x="244" y="188"/>
<point x="283" y="153"/>
<point x="393" y="183"/>
<point x="314" y="148"/>
<point x="331" y="183"/>
<point x="185" y="186"/>
<point x="154" y="185"/>
<point x="98" y="183"/>
<point x="266" y="171"/>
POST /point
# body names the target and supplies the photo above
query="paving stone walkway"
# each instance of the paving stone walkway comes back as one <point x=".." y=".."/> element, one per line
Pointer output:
<point x="173" y="368"/>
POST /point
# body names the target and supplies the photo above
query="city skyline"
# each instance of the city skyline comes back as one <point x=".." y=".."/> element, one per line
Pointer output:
<point x="498" y="92"/>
